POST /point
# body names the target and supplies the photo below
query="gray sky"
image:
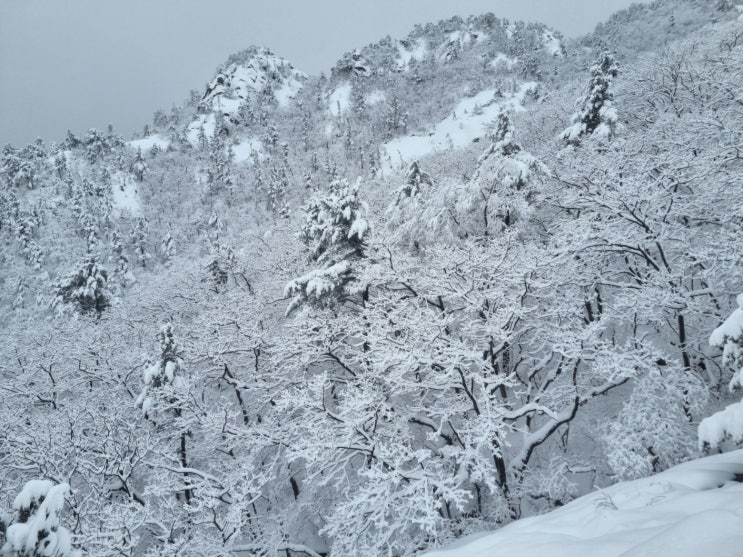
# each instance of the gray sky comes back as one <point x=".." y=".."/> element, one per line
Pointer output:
<point x="76" y="64"/>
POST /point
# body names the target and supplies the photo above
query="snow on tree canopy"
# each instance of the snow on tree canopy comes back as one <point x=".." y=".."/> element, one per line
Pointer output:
<point x="336" y="231"/>
<point x="335" y="221"/>
<point x="162" y="371"/>
<point x="597" y="115"/>
<point x="504" y="180"/>
<point x="727" y="423"/>
<point x="729" y="337"/>
<point x="414" y="179"/>
<point x="36" y="531"/>
<point x="84" y="289"/>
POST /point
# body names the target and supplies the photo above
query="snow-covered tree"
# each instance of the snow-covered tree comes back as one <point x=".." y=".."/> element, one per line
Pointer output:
<point x="35" y="530"/>
<point x="138" y="237"/>
<point x="138" y="167"/>
<point x="15" y="170"/>
<point x="167" y="247"/>
<point x="415" y="180"/>
<point x="120" y="260"/>
<point x="504" y="184"/>
<point x="597" y="115"/>
<point x="728" y="423"/>
<point x="278" y="190"/>
<point x="336" y="232"/>
<point x="161" y="372"/>
<point x="85" y="289"/>
<point x="219" y="169"/>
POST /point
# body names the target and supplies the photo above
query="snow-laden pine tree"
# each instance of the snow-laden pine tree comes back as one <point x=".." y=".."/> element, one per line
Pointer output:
<point x="728" y="423"/>
<point x="415" y="180"/>
<point x="138" y="167"/>
<point x="120" y="261"/>
<point x="84" y="290"/>
<point x="219" y="169"/>
<point x="15" y="170"/>
<point x="35" y="529"/>
<point x="163" y="371"/>
<point x="596" y="115"/>
<point x="504" y="184"/>
<point x="138" y="239"/>
<point x="167" y="247"/>
<point x="336" y="232"/>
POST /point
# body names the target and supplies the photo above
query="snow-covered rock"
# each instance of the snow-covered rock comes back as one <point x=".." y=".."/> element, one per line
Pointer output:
<point x="253" y="72"/>
<point x="247" y="76"/>
<point x="409" y="51"/>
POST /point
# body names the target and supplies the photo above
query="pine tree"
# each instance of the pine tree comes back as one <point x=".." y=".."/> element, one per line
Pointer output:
<point x="358" y="101"/>
<point x="138" y="238"/>
<point x="167" y="247"/>
<point x="85" y="289"/>
<point x="597" y="115"/>
<point x="35" y="530"/>
<point x="504" y="182"/>
<point x="336" y="232"/>
<point x="138" y="167"/>
<point x="21" y="288"/>
<point x="219" y="170"/>
<point x="306" y="127"/>
<point x="121" y="261"/>
<point x="162" y="372"/>
<point x="15" y="170"/>
<point x="414" y="179"/>
<point x="277" y="191"/>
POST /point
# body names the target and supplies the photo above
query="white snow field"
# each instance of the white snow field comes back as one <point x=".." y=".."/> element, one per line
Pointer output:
<point x="692" y="510"/>
<point x="125" y="195"/>
<point x="468" y="121"/>
<point x="147" y="143"/>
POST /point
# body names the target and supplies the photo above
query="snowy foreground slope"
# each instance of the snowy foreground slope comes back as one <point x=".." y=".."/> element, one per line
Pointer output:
<point x="691" y="510"/>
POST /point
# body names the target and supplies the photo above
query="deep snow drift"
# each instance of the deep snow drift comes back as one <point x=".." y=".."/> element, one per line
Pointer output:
<point x="694" y="509"/>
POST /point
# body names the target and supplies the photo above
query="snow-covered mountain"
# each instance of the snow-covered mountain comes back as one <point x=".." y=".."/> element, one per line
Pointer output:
<point x="467" y="277"/>
<point x="248" y="79"/>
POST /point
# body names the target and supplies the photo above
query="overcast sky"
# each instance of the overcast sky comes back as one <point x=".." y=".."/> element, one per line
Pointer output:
<point x="76" y="64"/>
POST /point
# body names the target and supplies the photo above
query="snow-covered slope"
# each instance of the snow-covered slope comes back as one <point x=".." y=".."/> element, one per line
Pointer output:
<point x="692" y="510"/>
<point x="468" y="122"/>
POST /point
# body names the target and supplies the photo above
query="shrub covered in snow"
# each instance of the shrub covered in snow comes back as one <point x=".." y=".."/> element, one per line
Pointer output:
<point x="35" y="530"/>
<point x="727" y="423"/>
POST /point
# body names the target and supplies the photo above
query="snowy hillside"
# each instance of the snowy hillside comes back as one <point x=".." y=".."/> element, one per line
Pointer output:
<point x="692" y="510"/>
<point x="469" y="122"/>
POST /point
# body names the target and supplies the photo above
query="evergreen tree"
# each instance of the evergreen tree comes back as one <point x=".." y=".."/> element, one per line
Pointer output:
<point x="162" y="372"/>
<point x="504" y="183"/>
<point x="85" y="289"/>
<point x="597" y="115"/>
<point x="167" y="247"/>
<point x="336" y="232"/>
<point x="219" y="169"/>
<point x="138" y="239"/>
<point x="277" y="191"/>
<point x="414" y="179"/>
<point x="138" y="167"/>
<point x="35" y="530"/>
<point x="121" y="261"/>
